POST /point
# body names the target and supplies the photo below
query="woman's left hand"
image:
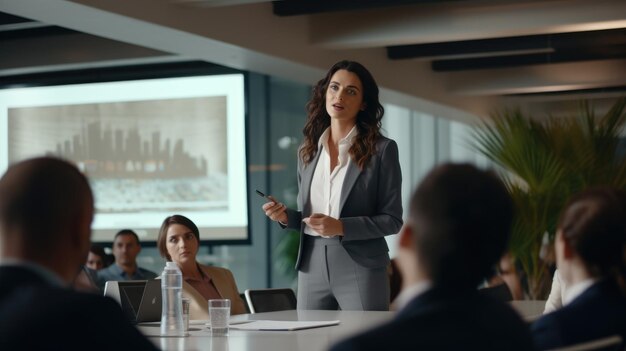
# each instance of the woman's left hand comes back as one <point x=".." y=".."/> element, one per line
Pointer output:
<point x="324" y="225"/>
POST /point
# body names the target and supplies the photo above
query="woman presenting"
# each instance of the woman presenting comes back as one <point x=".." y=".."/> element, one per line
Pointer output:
<point x="349" y="195"/>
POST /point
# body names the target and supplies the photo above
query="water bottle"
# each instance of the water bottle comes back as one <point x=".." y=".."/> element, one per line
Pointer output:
<point x="172" y="308"/>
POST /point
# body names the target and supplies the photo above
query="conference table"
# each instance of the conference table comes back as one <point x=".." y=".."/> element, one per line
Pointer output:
<point x="314" y="339"/>
<point x="530" y="310"/>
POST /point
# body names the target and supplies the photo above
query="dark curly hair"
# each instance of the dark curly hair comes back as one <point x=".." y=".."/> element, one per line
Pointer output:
<point x="368" y="121"/>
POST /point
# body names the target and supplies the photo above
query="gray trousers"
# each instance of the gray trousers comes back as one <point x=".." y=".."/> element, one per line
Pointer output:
<point x="329" y="279"/>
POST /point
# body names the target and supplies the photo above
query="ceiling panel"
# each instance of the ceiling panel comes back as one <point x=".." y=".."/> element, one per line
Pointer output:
<point x="471" y="55"/>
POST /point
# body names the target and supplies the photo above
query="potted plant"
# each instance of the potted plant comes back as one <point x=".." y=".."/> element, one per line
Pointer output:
<point x="543" y="163"/>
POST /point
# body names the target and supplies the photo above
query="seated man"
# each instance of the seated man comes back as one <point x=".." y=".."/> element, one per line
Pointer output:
<point x="458" y="228"/>
<point x="126" y="247"/>
<point x="46" y="209"/>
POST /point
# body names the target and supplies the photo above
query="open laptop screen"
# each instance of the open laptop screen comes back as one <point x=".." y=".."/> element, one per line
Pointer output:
<point x="130" y="296"/>
<point x="140" y="299"/>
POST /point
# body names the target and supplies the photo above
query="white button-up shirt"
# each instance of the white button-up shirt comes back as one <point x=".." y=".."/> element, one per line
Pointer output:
<point x="326" y="185"/>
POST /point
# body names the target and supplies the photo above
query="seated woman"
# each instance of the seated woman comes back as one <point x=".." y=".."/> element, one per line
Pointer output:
<point x="178" y="241"/>
<point x="589" y="247"/>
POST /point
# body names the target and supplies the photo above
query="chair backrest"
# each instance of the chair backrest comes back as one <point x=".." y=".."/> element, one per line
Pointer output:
<point x="269" y="300"/>
<point x="610" y="343"/>
<point x="245" y="302"/>
<point x="395" y="280"/>
<point x="499" y="292"/>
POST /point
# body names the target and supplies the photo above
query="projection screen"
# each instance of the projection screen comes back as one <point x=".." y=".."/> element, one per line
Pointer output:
<point x="150" y="148"/>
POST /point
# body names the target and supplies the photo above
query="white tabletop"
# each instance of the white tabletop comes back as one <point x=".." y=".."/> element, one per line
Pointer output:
<point x="530" y="310"/>
<point x="316" y="339"/>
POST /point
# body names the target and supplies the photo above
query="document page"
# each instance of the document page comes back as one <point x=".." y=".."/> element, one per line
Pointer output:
<point x="282" y="325"/>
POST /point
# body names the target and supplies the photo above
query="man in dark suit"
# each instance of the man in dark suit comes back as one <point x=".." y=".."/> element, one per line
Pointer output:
<point x="46" y="209"/>
<point x="458" y="228"/>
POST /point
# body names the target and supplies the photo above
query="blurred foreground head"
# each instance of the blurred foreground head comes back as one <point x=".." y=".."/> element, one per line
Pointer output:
<point x="459" y="223"/>
<point x="46" y="209"/>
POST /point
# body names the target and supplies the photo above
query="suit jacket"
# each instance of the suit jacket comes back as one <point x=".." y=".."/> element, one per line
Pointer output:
<point x="226" y="287"/>
<point x="600" y="311"/>
<point x="370" y="204"/>
<point x="443" y="321"/>
<point x="35" y="315"/>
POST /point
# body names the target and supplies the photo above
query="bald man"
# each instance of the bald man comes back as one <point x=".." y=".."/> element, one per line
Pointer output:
<point x="46" y="209"/>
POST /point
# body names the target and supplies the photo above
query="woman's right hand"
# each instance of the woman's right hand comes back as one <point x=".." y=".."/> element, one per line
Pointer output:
<point x="275" y="210"/>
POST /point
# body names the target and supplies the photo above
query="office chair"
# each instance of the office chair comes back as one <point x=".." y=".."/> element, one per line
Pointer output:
<point x="499" y="292"/>
<point x="245" y="302"/>
<point x="269" y="300"/>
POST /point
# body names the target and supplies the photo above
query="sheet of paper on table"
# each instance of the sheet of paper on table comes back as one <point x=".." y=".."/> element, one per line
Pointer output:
<point x="282" y="325"/>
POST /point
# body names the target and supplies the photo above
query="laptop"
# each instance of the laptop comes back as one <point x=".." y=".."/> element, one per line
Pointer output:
<point x="140" y="299"/>
<point x="86" y="280"/>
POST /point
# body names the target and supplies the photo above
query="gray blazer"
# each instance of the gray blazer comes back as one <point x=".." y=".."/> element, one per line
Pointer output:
<point x="370" y="205"/>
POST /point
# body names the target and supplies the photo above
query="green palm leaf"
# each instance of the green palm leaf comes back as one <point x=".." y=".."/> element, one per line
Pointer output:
<point x="544" y="163"/>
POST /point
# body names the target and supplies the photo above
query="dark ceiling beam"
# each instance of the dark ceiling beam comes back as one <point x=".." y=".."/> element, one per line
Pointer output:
<point x="603" y="90"/>
<point x="116" y="73"/>
<point x="37" y="32"/>
<point x="524" y="45"/>
<point x="13" y="23"/>
<point x="486" y="47"/>
<point x="6" y="18"/>
<point x="537" y="79"/>
<point x="308" y="7"/>
<point x="581" y="54"/>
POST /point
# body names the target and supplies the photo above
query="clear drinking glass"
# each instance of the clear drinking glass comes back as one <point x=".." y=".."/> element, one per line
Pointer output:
<point x="219" y="314"/>
<point x="186" y="302"/>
